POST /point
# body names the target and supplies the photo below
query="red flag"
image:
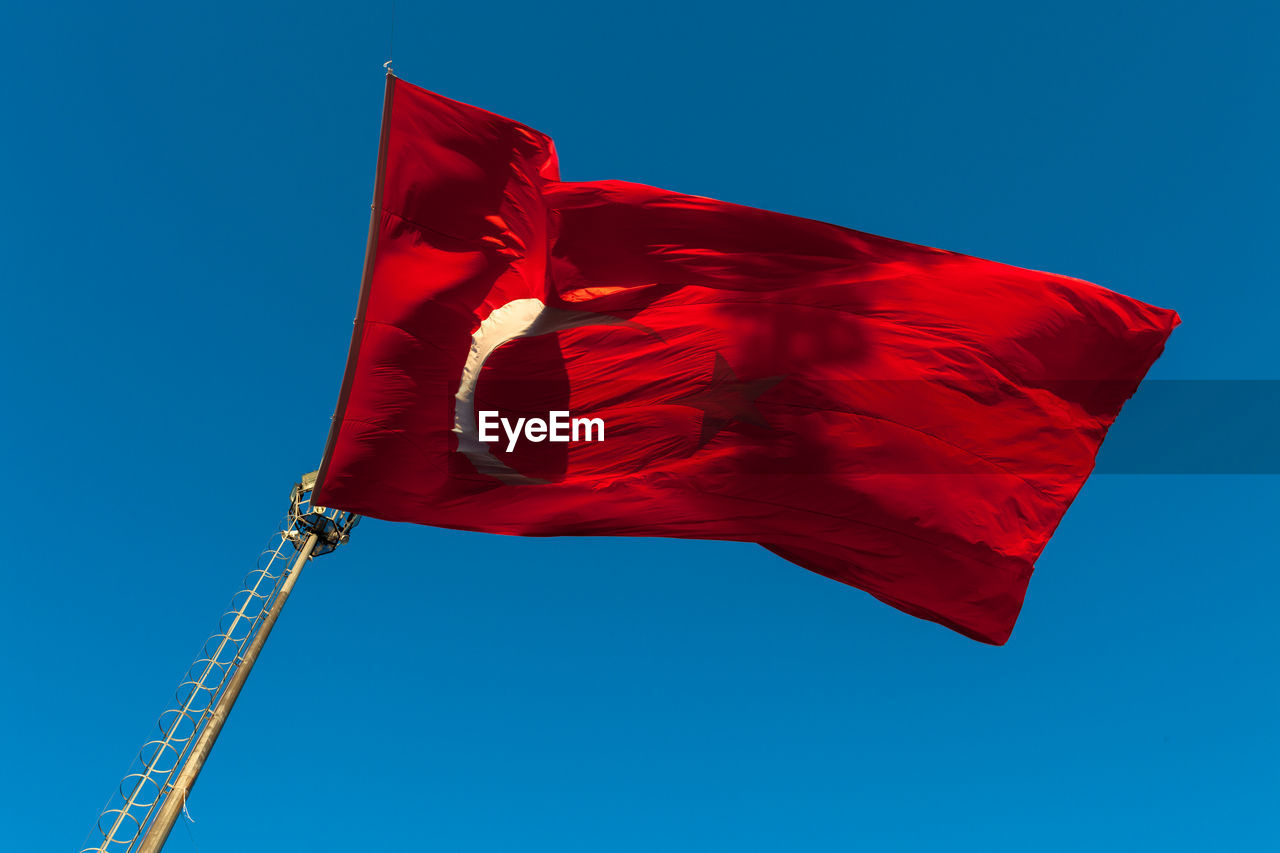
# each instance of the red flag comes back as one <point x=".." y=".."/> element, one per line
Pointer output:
<point x="909" y="421"/>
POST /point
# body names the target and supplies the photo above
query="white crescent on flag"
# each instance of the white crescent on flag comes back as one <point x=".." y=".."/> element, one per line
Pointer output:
<point x="520" y="318"/>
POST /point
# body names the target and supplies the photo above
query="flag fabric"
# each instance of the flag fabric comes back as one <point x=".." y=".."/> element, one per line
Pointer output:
<point x="909" y="421"/>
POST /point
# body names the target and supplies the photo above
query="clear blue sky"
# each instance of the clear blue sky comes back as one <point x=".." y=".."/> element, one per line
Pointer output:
<point x="186" y="192"/>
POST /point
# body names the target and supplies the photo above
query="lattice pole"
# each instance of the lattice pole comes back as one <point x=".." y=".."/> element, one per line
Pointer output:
<point x="141" y="813"/>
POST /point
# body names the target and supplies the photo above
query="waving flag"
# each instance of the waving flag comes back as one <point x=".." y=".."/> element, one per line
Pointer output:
<point x="909" y="421"/>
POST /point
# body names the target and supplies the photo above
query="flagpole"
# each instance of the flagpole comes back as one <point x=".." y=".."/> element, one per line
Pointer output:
<point x="146" y="791"/>
<point x="167" y="767"/>
<point x="176" y="798"/>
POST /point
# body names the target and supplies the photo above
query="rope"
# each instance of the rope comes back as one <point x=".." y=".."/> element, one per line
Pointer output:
<point x="190" y="834"/>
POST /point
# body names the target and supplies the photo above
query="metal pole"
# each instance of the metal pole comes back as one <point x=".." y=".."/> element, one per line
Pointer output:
<point x="172" y="740"/>
<point x="176" y="797"/>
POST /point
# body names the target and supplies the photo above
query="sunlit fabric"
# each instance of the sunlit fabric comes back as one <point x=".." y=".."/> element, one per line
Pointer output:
<point x="909" y="421"/>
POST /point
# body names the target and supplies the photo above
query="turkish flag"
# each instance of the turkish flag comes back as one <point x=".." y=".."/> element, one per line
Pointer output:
<point x="910" y="421"/>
